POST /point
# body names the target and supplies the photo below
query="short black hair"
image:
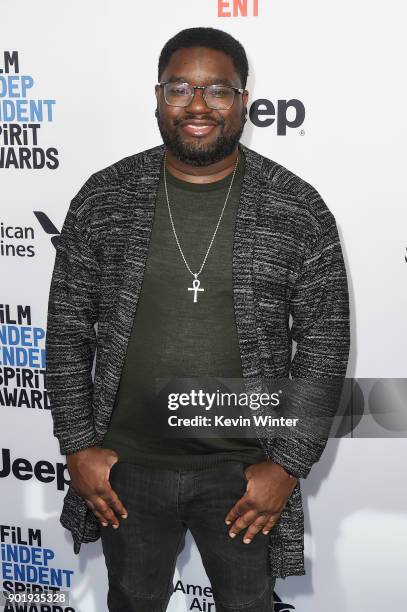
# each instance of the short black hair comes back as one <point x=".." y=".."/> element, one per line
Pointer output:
<point x="206" y="37"/>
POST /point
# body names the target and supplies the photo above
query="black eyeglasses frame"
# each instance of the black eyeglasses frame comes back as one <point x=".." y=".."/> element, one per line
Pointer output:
<point x="235" y="90"/>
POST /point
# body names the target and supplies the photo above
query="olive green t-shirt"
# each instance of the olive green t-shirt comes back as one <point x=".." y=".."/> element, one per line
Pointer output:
<point x="173" y="336"/>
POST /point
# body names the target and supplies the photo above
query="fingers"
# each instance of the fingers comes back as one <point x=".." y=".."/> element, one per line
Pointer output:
<point x="254" y="522"/>
<point x="270" y="523"/>
<point x="244" y="515"/>
<point x="254" y="528"/>
<point x="104" y="504"/>
<point x="243" y="505"/>
<point x="251" y="519"/>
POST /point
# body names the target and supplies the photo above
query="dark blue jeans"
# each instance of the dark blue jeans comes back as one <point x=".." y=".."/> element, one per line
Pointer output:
<point x="141" y="554"/>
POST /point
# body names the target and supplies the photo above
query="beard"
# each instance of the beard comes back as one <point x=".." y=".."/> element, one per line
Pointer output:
<point x="200" y="154"/>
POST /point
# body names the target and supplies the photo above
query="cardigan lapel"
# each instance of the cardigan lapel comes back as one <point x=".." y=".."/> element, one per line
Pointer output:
<point x="140" y="195"/>
<point x="242" y="264"/>
<point x="141" y="191"/>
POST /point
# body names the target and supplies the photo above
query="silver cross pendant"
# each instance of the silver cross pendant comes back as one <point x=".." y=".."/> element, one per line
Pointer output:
<point x="196" y="287"/>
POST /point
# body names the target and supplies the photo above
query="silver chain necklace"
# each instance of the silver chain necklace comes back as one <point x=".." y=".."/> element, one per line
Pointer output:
<point x="196" y="282"/>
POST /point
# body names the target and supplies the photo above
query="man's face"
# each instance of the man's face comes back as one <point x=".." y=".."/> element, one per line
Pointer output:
<point x="196" y="134"/>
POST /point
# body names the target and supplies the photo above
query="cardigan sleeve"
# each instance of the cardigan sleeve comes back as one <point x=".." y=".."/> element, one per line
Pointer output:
<point x="71" y="336"/>
<point x="319" y="306"/>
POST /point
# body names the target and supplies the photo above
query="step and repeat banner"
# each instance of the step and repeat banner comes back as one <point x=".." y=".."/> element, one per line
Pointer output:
<point x="327" y="85"/>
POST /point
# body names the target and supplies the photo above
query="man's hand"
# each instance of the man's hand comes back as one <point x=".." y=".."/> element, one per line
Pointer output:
<point x="89" y="470"/>
<point x="268" y="488"/>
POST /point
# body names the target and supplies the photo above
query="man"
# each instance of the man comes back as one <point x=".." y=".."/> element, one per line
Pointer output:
<point x="190" y="257"/>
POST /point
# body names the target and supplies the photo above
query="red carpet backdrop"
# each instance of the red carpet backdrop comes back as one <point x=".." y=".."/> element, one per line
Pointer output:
<point x="327" y="85"/>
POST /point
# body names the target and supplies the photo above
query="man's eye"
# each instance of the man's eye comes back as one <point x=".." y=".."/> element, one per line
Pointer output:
<point x="179" y="91"/>
<point x="220" y="92"/>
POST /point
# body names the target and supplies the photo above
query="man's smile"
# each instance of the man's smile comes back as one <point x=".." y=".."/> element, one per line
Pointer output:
<point x="198" y="127"/>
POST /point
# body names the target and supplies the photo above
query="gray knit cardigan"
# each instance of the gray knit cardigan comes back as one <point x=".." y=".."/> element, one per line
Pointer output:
<point x="287" y="260"/>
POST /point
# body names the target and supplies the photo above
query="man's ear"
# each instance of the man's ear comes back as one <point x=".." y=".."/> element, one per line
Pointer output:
<point x="245" y="97"/>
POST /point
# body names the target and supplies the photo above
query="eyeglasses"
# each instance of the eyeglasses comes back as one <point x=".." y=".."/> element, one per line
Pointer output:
<point x="218" y="97"/>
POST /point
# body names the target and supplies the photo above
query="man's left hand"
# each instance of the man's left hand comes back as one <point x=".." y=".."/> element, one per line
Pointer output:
<point x="268" y="488"/>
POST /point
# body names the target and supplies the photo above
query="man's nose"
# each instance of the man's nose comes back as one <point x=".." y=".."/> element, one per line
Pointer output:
<point x="198" y="104"/>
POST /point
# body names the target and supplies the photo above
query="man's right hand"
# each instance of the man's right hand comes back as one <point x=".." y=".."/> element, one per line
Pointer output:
<point x="89" y="470"/>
